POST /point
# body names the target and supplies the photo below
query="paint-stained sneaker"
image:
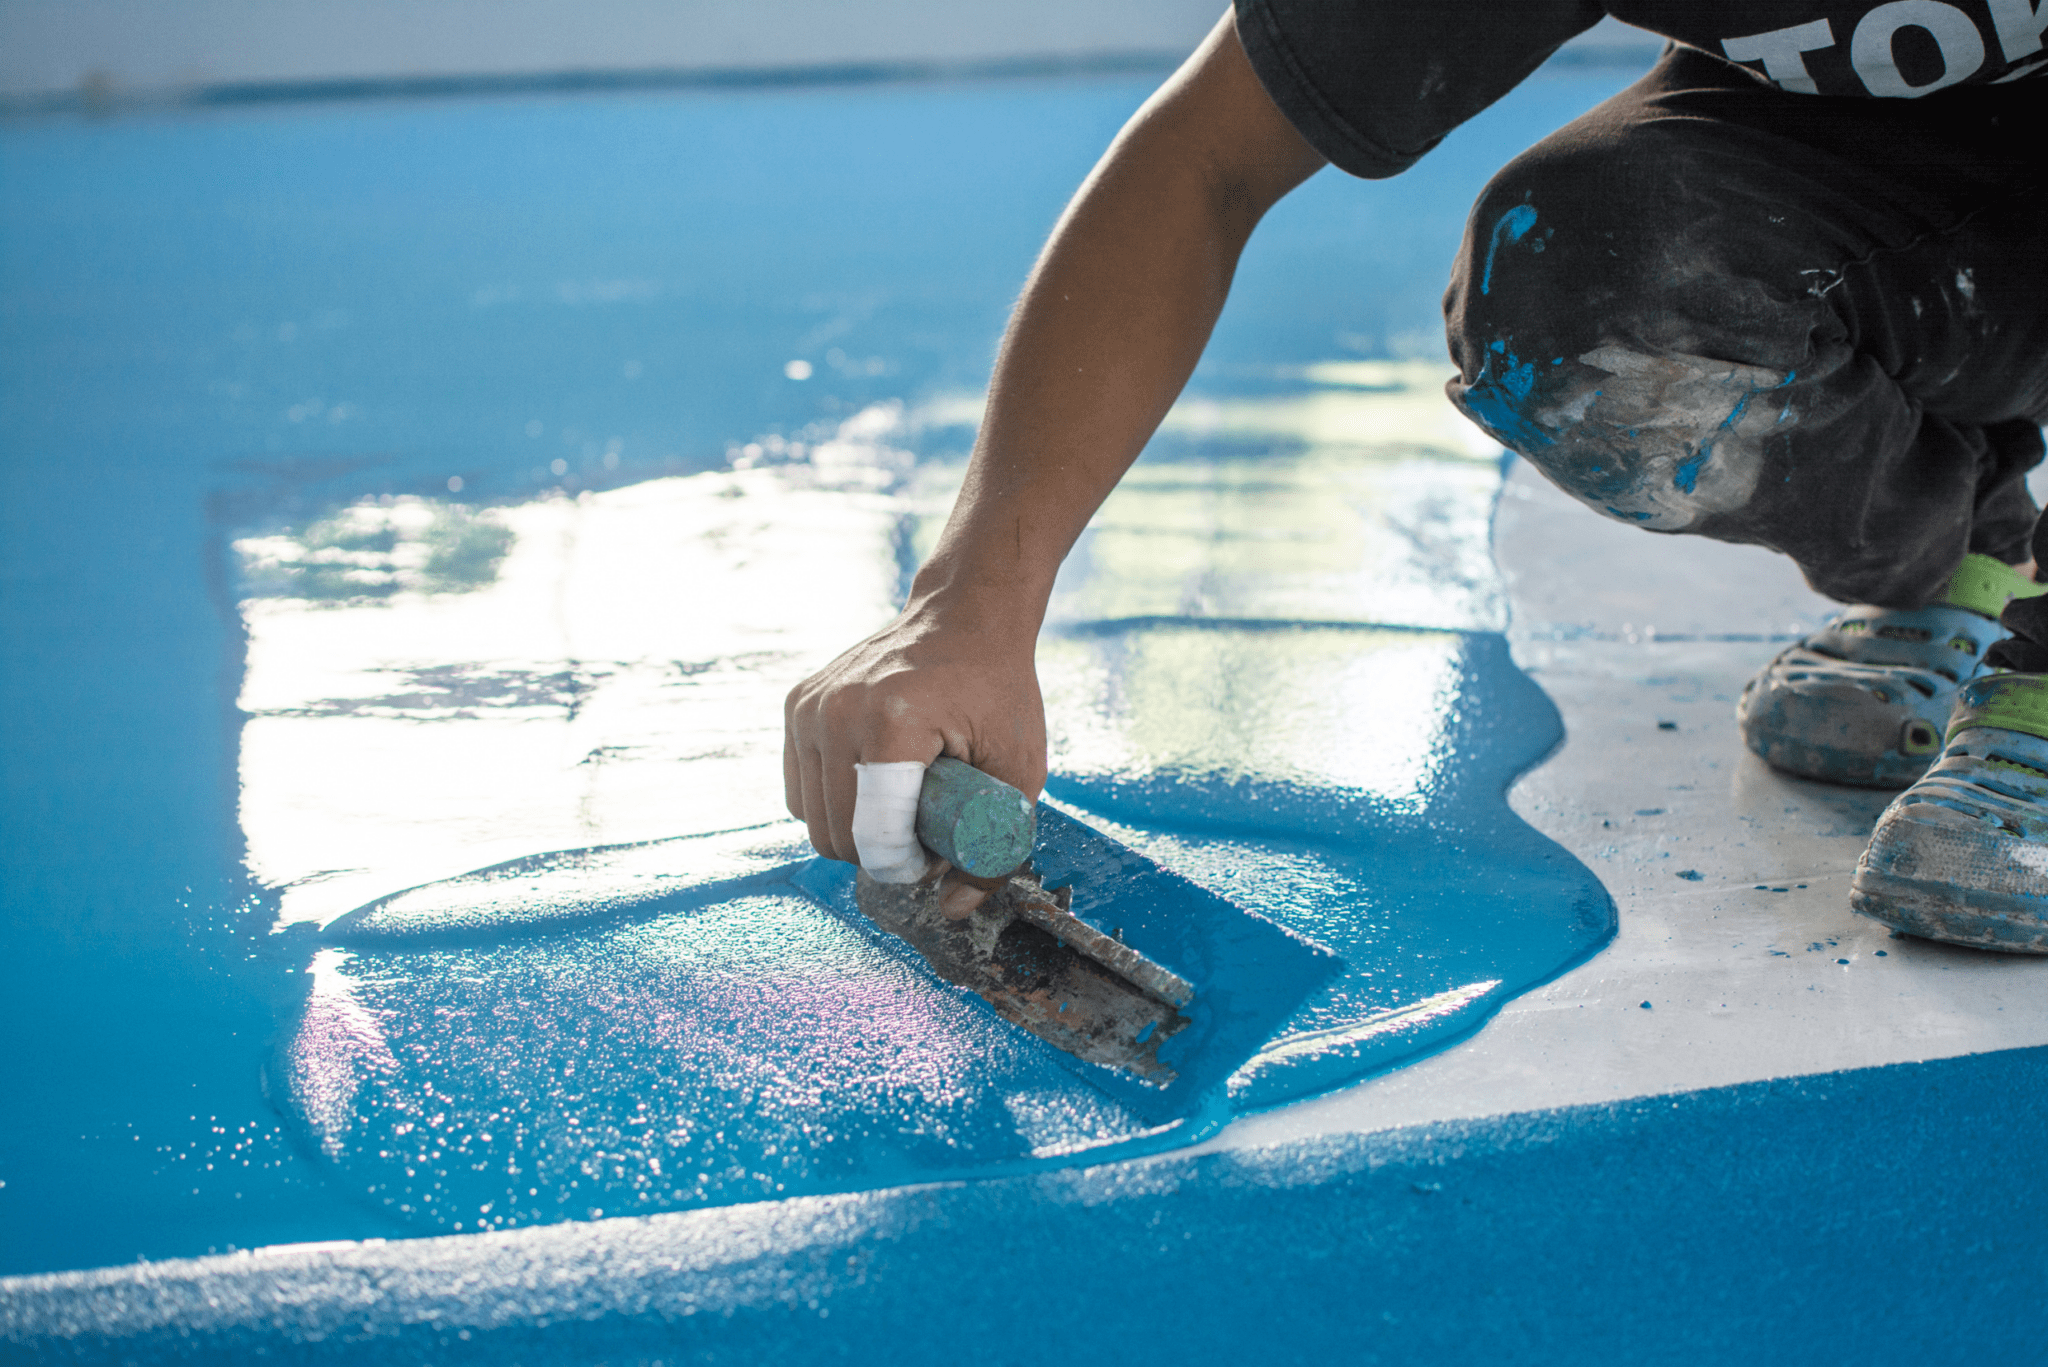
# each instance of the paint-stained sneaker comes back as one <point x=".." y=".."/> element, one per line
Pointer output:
<point x="1962" y="855"/>
<point x="1865" y="699"/>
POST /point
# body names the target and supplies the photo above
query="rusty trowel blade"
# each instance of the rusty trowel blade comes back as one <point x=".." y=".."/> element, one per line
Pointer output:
<point x="1041" y="968"/>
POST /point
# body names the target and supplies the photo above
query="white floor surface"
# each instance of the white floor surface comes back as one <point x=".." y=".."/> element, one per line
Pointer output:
<point x="1756" y="969"/>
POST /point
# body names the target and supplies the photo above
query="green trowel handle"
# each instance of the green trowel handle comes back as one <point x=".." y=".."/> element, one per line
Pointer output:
<point x="978" y="824"/>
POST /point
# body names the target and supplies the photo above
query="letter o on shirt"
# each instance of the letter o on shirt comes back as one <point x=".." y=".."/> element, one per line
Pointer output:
<point x="1870" y="50"/>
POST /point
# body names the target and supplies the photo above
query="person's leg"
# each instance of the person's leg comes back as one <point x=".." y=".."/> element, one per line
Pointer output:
<point x="1816" y="325"/>
<point x="1820" y="326"/>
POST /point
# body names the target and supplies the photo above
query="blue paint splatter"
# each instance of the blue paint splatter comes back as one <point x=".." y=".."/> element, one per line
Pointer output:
<point x="1495" y="399"/>
<point x="1687" y="477"/>
<point x="1512" y="225"/>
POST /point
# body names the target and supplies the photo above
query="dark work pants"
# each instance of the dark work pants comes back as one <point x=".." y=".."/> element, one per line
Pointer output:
<point x="1818" y="325"/>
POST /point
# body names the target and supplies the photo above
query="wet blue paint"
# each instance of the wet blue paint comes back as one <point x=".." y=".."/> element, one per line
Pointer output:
<point x="1420" y="899"/>
<point x="418" y="283"/>
<point x="1728" y="1225"/>
<point x="1511" y="226"/>
<point x="707" y="1021"/>
<point x="1250" y="975"/>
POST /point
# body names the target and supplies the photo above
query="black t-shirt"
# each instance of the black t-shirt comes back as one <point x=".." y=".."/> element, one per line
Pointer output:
<point x="1374" y="84"/>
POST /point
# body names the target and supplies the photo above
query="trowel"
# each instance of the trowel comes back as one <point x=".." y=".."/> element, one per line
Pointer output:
<point x="1156" y="988"/>
<point x="1024" y="951"/>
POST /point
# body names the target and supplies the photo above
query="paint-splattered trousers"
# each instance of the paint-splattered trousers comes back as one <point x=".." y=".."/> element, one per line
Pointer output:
<point x="1819" y="325"/>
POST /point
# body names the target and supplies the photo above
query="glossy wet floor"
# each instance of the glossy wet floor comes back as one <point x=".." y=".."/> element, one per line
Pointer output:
<point x="409" y="488"/>
<point x="256" y="485"/>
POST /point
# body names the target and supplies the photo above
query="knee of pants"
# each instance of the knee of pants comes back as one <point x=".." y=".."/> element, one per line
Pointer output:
<point x="1599" y="347"/>
<point x="1655" y="438"/>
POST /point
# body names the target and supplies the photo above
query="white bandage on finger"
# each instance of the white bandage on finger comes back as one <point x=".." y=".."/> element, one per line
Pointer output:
<point x="885" y="821"/>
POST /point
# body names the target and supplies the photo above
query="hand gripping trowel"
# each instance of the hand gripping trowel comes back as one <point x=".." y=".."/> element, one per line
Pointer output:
<point x="1221" y="982"/>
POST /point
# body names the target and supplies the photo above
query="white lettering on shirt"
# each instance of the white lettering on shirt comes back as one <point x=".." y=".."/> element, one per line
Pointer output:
<point x="2019" y="26"/>
<point x="1870" y="49"/>
<point x="1780" y="49"/>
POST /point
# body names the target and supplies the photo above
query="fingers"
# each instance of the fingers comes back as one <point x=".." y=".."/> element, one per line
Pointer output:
<point x="826" y="789"/>
<point x="792" y="764"/>
<point x="889" y="707"/>
<point x="813" y="811"/>
<point x="884" y="827"/>
<point x="959" y="894"/>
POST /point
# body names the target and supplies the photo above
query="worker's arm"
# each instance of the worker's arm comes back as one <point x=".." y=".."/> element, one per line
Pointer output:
<point x="1111" y="323"/>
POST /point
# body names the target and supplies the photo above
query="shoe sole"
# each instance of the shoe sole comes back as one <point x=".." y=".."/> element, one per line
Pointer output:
<point x="1979" y="920"/>
<point x="1930" y="879"/>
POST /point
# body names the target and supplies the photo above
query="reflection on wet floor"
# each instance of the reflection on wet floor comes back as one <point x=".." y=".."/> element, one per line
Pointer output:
<point x="532" y="448"/>
<point x="623" y="1032"/>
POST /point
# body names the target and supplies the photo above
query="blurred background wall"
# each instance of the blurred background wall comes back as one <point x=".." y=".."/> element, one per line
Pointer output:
<point x="64" y="53"/>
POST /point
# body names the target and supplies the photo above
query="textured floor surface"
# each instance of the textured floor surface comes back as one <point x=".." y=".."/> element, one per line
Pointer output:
<point x="252" y="690"/>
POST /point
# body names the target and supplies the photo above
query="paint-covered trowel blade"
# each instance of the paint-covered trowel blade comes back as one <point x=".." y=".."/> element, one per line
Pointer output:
<point x="1040" y="967"/>
<point x="1243" y="976"/>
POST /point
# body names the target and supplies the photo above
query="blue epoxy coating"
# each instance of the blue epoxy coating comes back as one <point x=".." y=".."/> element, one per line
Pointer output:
<point x="684" y="1024"/>
<point x="222" y="322"/>
<point x="1816" y="1219"/>
<point x="178" y="289"/>
<point x="1250" y="976"/>
<point x="1441" y="897"/>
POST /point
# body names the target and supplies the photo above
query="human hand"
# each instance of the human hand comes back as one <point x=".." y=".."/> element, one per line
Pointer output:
<point x="921" y="687"/>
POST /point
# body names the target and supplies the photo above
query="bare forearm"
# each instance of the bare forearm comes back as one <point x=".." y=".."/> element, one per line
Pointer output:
<point x="1105" y="335"/>
<point x="1110" y="325"/>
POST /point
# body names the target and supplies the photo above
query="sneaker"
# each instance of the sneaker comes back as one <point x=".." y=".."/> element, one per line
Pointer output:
<point x="1865" y="699"/>
<point x="1962" y="855"/>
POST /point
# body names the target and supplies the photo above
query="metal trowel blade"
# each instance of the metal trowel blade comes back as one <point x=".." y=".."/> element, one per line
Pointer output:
<point x="1041" y="968"/>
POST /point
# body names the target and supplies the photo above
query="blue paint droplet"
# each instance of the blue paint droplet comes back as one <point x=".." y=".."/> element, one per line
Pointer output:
<point x="1146" y="1033"/>
<point x="1646" y="1006"/>
<point x="1690" y="875"/>
<point x="1841" y="961"/>
<point x="1881" y="953"/>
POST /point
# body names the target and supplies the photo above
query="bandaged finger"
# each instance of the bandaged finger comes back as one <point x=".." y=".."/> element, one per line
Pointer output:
<point x="885" y="821"/>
